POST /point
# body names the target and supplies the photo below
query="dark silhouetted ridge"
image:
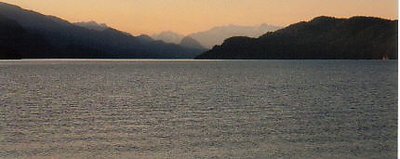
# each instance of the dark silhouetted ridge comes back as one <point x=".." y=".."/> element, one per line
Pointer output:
<point x="321" y="38"/>
<point x="62" y="39"/>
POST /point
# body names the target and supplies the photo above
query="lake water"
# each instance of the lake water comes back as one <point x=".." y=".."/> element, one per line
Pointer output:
<point x="198" y="109"/>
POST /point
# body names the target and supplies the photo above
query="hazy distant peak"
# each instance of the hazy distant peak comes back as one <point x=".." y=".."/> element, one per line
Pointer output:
<point x="268" y="25"/>
<point x="169" y="37"/>
<point x="189" y="42"/>
<point x="216" y="35"/>
<point x="169" y="32"/>
<point x="92" y="25"/>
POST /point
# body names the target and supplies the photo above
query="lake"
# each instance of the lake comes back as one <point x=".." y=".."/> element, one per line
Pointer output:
<point x="198" y="109"/>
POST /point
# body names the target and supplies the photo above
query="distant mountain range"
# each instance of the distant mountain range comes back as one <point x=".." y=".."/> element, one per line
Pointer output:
<point x="216" y="35"/>
<point x="28" y="34"/>
<point x="168" y="37"/>
<point x="175" y="38"/>
<point x="189" y="42"/>
<point x="320" y="38"/>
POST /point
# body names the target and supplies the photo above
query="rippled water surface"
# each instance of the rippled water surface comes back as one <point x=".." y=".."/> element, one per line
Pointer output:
<point x="198" y="109"/>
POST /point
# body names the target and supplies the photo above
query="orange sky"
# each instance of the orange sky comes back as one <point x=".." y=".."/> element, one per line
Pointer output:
<point x="187" y="16"/>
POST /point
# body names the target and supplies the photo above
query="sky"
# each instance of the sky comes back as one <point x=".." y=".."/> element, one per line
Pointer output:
<point x="188" y="16"/>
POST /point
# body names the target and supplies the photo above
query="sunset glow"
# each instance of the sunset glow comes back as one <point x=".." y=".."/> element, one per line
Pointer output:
<point x="188" y="16"/>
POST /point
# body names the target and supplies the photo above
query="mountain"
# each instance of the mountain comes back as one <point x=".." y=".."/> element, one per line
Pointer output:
<point x="217" y="35"/>
<point x="62" y="39"/>
<point x="145" y="38"/>
<point x="320" y="38"/>
<point x="92" y="25"/>
<point x="15" y="41"/>
<point x="168" y="37"/>
<point x="189" y="42"/>
<point x="175" y="38"/>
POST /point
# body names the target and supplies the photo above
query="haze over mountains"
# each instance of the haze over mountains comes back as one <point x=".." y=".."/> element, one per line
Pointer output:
<point x="189" y="42"/>
<point x="39" y="36"/>
<point x="175" y="38"/>
<point x="216" y="35"/>
<point x="28" y="34"/>
<point x="320" y="38"/>
<point x="169" y="37"/>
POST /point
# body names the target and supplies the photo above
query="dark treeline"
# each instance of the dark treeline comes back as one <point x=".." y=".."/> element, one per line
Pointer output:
<point x="320" y="38"/>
